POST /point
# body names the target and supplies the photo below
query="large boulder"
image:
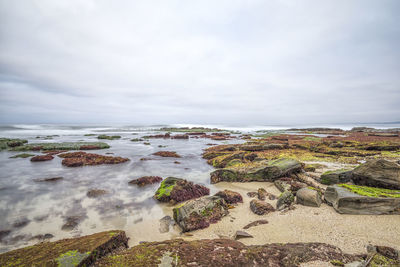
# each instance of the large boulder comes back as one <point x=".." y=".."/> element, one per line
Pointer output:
<point x="199" y="213"/>
<point x="285" y="200"/>
<point x="308" y="197"/>
<point x="257" y="171"/>
<point x="336" y="177"/>
<point x="378" y="173"/>
<point x="353" y="199"/>
<point x="178" y="190"/>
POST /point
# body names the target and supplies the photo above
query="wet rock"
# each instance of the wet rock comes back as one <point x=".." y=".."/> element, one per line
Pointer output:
<point x="108" y="137"/>
<point x="178" y="190"/>
<point x="165" y="223"/>
<point x="285" y="200"/>
<point x="81" y="251"/>
<point x="93" y="193"/>
<point x="230" y="197"/>
<point x="378" y="173"/>
<point x="42" y="158"/>
<point x="242" y="234"/>
<point x="71" y="222"/>
<point x="77" y="159"/>
<point x="137" y="140"/>
<point x="167" y="154"/>
<point x="23" y="155"/>
<point x="21" y="223"/>
<point x="226" y="252"/>
<point x="177" y="162"/>
<point x="199" y="213"/>
<point x="336" y="177"/>
<point x="375" y="201"/>
<point x="50" y="179"/>
<point x="255" y="223"/>
<point x="6" y="143"/>
<point x="261" y="193"/>
<point x="43" y="237"/>
<point x="257" y="171"/>
<point x="260" y="207"/>
<point x="308" y="197"/>
<point x="252" y="194"/>
<point x="4" y="233"/>
<point x="59" y="146"/>
<point x="261" y="147"/>
<point x="146" y="180"/>
<point x="180" y="136"/>
<point x="288" y="184"/>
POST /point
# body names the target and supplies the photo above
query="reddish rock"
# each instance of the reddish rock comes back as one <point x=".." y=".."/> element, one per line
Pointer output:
<point x="260" y="207"/>
<point x="89" y="147"/>
<point x="255" y="223"/>
<point x="42" y="158"/>
<point x="76" y="159"/>
<point x="230" y="197"/>
<point x="146" y="180"/>
<point x="167" y="154"/>
<point x="178" y="190"/>
<point x="180" y="136"/>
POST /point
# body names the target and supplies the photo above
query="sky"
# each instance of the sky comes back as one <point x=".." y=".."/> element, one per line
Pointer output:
<point x="234" y="62"/>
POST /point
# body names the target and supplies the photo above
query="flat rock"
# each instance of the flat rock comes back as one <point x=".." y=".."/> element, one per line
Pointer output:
<point x="77" y="159"/>
<point x="308" y="197"/>
<point x="81" y="251"/>
<point x="378" y="173"/>
<point x="255" y="223"/>
<point x="42" y="158"/>
<point x="242" y="234"/>
<point x="178" y="190"/>
<point x="199" y="213"/>
<point x="336" y="177"/>
<point x="345" y="201"/>
<point x="167" y="154"/>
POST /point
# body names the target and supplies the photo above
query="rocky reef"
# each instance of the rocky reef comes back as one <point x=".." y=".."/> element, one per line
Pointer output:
<point x="77" y="159"/>
<point x="61" y="146"/>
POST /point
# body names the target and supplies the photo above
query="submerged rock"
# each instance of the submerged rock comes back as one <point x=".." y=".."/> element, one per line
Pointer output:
<point x="178" y="190"/>
<point x="6" y="143"/>
<point x="165" y="223"/>
<point x="260" y="207"/>
<point x="257" y="171"/>
<point x="146" y="180"/>
<point x="42" y="158"/>
<point x="230" y="197"/>
<point x="76" y="159"/>
<point x="378" y="173"/>
<point x="308" y="197"/>
<point x="108" y="137"/>
<point x="167" y="154"/>
<point x="81" y="251"/>
<point x="61" y="146"/>
<point x="353" y="199"/>
<point x="23" y="155"/>
<point x="336" y="177"/>
<point x="93" y="193"/>
<point x="199" y="213"/>
<point x="50" y="179"/>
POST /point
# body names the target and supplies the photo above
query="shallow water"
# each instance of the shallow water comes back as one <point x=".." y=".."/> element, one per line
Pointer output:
<point x="46" y="205"/>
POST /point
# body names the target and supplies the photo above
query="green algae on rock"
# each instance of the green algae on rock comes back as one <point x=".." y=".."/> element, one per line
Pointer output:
<point x="6" y="143"/>
<point x="108" y="137"/>
<point x="336" y="176"/>
<point x="178" y="190"/>
<point x="256" y="171"/>
<point x="371" y="191"/>
<point x="61" y="146"/>
<point x="22" y="155"/>
<point x="81" y="251"/>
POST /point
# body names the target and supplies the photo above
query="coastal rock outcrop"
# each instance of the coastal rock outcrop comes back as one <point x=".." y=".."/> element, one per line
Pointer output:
<point x="378" y="173"/>
<point x="178" y="190"/>
<point x="257" y="171"/>
<point x="353" y="199"/>
<point x="199" y="213"/>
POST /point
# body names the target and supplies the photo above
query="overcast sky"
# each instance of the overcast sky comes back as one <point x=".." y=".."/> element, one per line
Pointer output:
<point x="237" y="62"/>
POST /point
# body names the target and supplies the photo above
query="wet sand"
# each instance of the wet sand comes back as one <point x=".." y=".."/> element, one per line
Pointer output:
<point x="351" y="233"/>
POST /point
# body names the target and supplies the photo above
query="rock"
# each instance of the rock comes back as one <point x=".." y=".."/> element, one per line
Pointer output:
<point x="177" y="162"/>
<point x="241" y="234"/>
<point x="42" y="158"/>
<point x="71" y="222"/>
<point x="252" y="194"/>
<point x="255" y="223"/>
<point x="51" y="179"/>
<point x="261" y="147"/>
<point x="43" y="237"/>
<point x="81" y="251"/>
<point x="180" y="136"/>
<point x="308" y="197"/>
<point x="336" y="177"/>
<point x="146" y="180"/>
<point x="285" y="200"/>
<point x="260" y="207"/>
<point x="23" y="155"/>
<point x="374" y="201"/>
<point x="6" y="143"/>
<point x="261" y="193"/>
<point x="167" y="154"/>
<point x="77" y="159"/>
<point x="21" y="223"/>
<point x="60" y="146"/>
<point x="378" y="173"/>
<point x="288" y="184"/>
<point x="93" y="193"/>
<point x="178" y="190"/>
<point x="137" y="140"/>
<point x="226" y="252"/>
<point x="230" y="197"/>
<point x="257" y="171"/>
<point x="165" y="222"/>
<point x="108" y="137"/>
<point x="199" y="213"/>
<point x="4" y="233"/>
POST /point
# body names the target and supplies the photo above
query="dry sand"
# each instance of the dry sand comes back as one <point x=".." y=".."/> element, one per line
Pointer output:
<point x="351" y="233"/>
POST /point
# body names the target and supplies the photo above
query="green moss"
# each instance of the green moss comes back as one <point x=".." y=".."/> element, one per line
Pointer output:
<point x="89" y="134"/>
<point x="336" y="263"/>
<point x="165" y="188"/>
<point x="6" y="143"/>
<point x="336" y="171"/>
<point x="371" y="191"/>
<point x="23" y="155"/>
<point x="71" y="258"/>
<point x="380" y="260"/>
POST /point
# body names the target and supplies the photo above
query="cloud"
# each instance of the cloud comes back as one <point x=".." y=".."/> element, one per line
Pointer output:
<point x="249" y="62"/>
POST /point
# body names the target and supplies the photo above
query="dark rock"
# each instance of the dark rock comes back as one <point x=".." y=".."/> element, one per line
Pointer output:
<point x="261" y="193"/>
<point x="4" y="233"/>
<point x="42" y="158"/>
<point x="93" y="193"/>
<point x="288" y="184"/>
<point x="76" y="159"/>
<point x="255" y="223"/>
<point x="178" y="190"/>
<point x="43" y="237"/>
<point x="347" y="202"/>
<point x="23" y="155"/>
<point x="308" y="197"/>
<point x="199" y="213"/>
<point x="51" y="179"/>
<point x="71" y="222"/>
<point x="180" y="136"/>
<point x="252" y="194"/>
<point x="167" y="154"/>
<point x="378" y="173"/>
<point x="21" y="223"/>
<point x="177" y="162"/>
<point x="230" y="197"/>
<point x="146" y="180"/>
<point x="336" y="177"/>
<point x="242" y="234"/>
<point x="260" y="207"/>
<point x="108" y="137"/>
<point x="285" y="200"/>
